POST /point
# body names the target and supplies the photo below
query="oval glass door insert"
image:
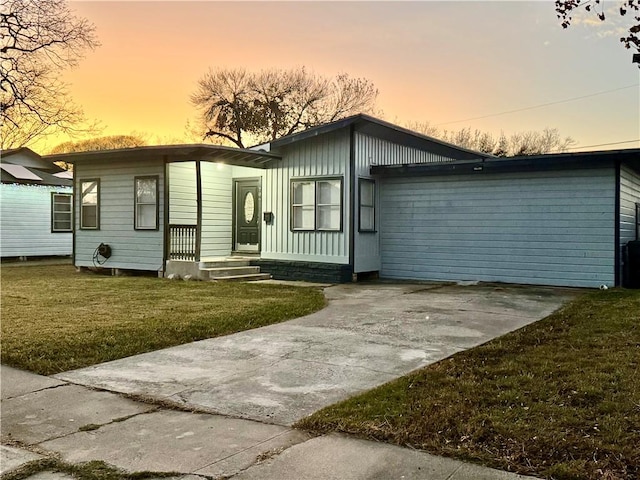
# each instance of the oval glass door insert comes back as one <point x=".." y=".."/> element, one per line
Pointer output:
<point x="249" y="207"/>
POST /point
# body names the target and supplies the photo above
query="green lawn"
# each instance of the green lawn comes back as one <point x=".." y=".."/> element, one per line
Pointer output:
<point x="55" y="319"/>
<point x="558" y="399"/>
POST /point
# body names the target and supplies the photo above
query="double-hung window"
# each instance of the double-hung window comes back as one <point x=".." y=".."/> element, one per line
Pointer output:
<point x="316" y="204"/>
<point x="90" y="204"/>
<point x="146" y="203"/>
<point x="61" y="208"/>
<point x="367" y="202"/>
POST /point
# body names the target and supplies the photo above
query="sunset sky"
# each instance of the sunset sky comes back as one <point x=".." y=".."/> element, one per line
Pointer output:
<point x="441" y="62"/>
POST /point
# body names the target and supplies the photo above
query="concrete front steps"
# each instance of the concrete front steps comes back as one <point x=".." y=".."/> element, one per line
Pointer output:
<point x="220" y="269"/>
<point x="233" y="269"/>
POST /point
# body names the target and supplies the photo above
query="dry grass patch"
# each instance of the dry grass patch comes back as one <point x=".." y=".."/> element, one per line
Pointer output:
<point x="559" y="398"/>
<point x="94" y="470"/>
<point x="54" y="319"/>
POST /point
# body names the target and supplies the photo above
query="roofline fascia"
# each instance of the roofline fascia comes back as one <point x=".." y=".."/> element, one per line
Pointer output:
<point x="156" y="150"/>
<point x="627" y="152"/>
<point x="488" y="166"/>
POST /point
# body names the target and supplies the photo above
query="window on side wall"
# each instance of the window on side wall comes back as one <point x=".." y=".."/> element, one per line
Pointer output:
<point x="367" y="202"/>
<point x="90" y="204"/>
<point x="61" y="208"/>
<point x="316" y="204"/>
<point x="146" y="203"/>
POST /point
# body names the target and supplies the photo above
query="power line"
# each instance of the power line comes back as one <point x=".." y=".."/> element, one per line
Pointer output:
<point x="541" y="105"/>
<point x="604" y="144"/>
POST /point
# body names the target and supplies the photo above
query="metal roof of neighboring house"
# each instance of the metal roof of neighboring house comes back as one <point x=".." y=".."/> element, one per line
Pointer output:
<point x="174" y="153"/>
<point x="19" y="172"/>
<point x="66" y="174"/>
<point x="28" y="158"/>
<point x="12" y="151"/>
<point x="549" y="161"/>
<point x="387" y="131"/>
<point x="10" y="175"/>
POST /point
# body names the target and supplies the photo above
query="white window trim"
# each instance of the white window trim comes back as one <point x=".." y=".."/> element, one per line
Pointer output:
<point x="55" y="195"/>
<point x="316" y="205"/>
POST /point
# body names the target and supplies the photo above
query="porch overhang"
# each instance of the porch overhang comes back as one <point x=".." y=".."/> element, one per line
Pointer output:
<point x="174" y="153"/>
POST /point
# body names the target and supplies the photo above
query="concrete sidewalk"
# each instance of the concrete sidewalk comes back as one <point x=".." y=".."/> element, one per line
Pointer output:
<point x="77" y="424"/>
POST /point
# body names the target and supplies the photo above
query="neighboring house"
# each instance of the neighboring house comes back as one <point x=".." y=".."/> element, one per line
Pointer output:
<point x="359" y="196"/>
<point x="35" y="206"/>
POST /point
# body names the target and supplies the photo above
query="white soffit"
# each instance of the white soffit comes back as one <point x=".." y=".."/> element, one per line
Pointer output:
<point x="19" y="172"/>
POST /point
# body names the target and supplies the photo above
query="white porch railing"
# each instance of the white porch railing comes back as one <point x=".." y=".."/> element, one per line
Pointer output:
<point x="183" y="243"/>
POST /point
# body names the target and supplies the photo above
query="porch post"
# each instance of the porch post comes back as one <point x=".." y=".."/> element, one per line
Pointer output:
<point x="166" y="255"/>
<point x="198" y="209"/>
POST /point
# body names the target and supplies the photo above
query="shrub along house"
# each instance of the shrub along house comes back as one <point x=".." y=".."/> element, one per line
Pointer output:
<point x="356" y="196"/>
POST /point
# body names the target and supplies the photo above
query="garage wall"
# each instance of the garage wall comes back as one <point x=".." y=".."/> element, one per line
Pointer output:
<point x="548" y="228"/>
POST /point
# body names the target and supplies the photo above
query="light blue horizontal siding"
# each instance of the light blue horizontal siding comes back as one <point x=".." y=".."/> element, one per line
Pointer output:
<point x="25" y="228"/>
<point x="548" y="228"/>
<point x="217" y="210"/>
<point x="327" y="155"/>
<point x="182" y="193"/>
<point x="131" y="249"/>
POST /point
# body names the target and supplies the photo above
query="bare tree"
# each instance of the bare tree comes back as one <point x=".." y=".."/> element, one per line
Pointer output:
<point x="235" y="104"/>
<point x="538" y="142"/>
<point x="100" y="143"/>
<point x="566" y="8"/>
<point x="39" y="39"/>
<point x="520" y="143"/>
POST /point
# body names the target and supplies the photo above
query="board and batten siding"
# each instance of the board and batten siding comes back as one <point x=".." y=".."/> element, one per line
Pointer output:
<point x="323" y="156"/>
<point x="375" y="151"/>
<point x="25" y="229"/>
<point x="131" y="249"/>
<point x="547" y="228"/>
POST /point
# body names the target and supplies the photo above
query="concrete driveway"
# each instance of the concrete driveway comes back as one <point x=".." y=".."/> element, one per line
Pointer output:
<point x="369" y="334"/>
